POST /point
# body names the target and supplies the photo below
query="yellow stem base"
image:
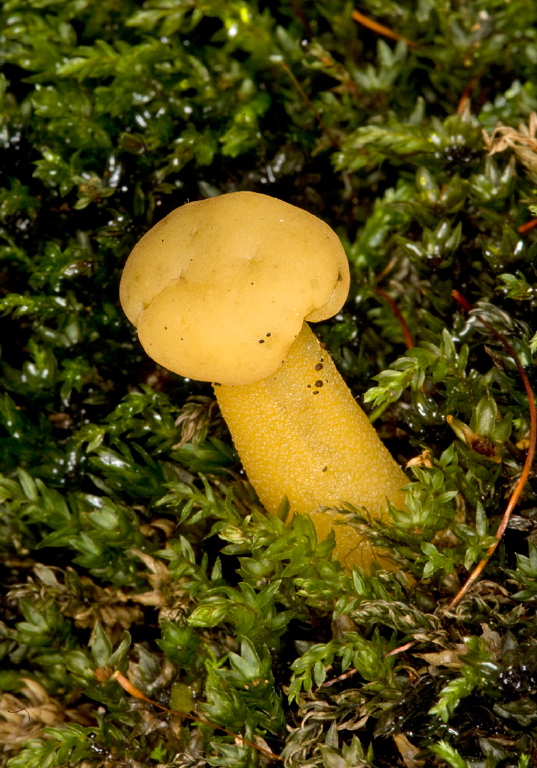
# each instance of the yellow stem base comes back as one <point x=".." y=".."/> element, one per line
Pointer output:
<point x="301" y="435"/>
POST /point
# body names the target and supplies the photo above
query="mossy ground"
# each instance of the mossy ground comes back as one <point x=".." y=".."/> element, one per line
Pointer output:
<point x="130" y="539"/>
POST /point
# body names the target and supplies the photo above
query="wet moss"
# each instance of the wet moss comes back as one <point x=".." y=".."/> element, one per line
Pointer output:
<point x="130" y="539"/>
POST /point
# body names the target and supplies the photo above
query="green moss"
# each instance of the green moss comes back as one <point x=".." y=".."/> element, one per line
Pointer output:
<point x="129" y="538"/>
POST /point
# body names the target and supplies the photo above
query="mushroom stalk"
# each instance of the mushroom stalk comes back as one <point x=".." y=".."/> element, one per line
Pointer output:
<point x="301" y="435"/>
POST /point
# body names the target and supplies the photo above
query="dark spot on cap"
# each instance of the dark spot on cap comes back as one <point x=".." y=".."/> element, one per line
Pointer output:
<point x="216" y="384"/>
<point x="308" y="386"/>
<point x="319" y="383"/>
<point x="261" y="341"/>
<point x="319" y="367"/>
<point x="324" y="469"/>
<point x="269" y="334"/>
<point x="315" y="392"/>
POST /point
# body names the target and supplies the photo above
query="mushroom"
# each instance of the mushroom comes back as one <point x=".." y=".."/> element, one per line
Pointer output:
<point x="219" y="291"/>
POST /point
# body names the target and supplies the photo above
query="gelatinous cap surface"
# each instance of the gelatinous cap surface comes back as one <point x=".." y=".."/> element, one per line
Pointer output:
<point x="220" y="288"/>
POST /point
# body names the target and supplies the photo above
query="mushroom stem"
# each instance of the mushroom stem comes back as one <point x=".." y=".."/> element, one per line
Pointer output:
<point x="301" y="435"/>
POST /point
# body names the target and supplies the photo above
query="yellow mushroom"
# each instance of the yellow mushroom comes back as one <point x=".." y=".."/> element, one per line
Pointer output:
<point x="220" y="291"/>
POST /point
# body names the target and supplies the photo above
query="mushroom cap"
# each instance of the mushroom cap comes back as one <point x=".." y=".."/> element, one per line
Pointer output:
<point x="220" y="288"/>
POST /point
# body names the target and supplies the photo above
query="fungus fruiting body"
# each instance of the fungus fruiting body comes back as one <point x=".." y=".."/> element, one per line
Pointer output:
<point x="220" y="291"/>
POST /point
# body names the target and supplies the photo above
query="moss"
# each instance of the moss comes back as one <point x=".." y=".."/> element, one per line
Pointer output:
<point x="129" y="538"/>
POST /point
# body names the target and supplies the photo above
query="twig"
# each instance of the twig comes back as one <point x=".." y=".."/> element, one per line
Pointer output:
<point x="527" y="226"/>
<point x="387" y="269"/>
<point x="352" y="672"/>
<point x="339" y="679"/>
<point x="527" y="464"/>
<point x="375" y="26"/>
<point x="137" y="694"/>
<point x="409" y="341"/>
<point x="402" y="648"/>
<point x="311" y="105"/>
<point x="464" y="101"/>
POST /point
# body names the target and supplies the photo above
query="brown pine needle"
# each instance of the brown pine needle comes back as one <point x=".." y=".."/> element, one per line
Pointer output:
<point x="137" y="694"/>
<point x="375" y="26"/>
<point x="527" y="464"/>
